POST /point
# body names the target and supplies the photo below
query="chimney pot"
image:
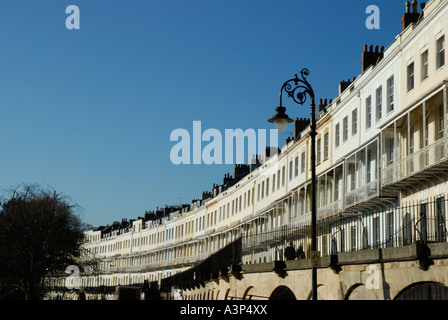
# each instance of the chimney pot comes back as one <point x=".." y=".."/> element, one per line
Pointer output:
<point x="408" y="7"/>
<point x="414" y="6"/>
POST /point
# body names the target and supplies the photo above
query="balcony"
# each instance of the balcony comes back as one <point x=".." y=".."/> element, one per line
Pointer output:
<point x="427" y="162"/>
<point x="361" y="194"/>
<point x="330" y="209"/>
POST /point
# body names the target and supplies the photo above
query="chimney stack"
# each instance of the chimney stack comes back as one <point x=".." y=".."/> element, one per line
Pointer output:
<point x="254" y="163"/>
<point x="344" y="84"/>
<point x="370" y="57"/>
<point x="413" y="16"/>
<point x="300" y="125"/>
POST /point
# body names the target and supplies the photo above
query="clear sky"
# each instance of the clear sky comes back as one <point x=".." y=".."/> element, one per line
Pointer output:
<point x="89" y="112"/>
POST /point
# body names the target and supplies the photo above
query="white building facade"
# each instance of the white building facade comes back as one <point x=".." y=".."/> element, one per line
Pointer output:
<point x="381" y="160"/>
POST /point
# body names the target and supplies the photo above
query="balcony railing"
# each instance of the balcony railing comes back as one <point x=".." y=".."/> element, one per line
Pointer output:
<point x="420" y="160"/>
<point x="393" y="227"/>
<point x="330" y="209"/>
<point x="363" y="193"/>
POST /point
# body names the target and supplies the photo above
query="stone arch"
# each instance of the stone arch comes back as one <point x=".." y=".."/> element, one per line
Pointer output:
<point x="425" y="290"/>
<point x="326" y="292"/>
<point x="282" y="293"/>
<point x="311" y="293"/>
<point x="359" y="291"/>
<point x="351" y="289"/>
<point x="246" y="296"/>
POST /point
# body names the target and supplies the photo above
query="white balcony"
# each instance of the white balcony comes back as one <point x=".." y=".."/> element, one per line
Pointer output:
<point x="362" y="194"/>
<point x="428" y="160"/>
<point x="330" y="209"/>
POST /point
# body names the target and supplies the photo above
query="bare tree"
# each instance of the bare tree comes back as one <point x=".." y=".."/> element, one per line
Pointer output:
<point x="40" y="234"/>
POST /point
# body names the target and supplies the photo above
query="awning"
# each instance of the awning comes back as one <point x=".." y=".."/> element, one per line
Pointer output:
<point x="205" y="234"/>
<point x="234" y="223"/>
<point x="220" y="229"/>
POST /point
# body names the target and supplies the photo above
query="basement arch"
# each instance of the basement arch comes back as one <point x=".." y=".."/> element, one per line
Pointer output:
<point x="428" y="290"/>
<point x="282" y="293"/>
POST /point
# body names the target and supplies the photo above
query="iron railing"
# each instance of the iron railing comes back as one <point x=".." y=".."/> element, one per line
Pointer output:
<point x="418" y="161"/>
<point x="421" y="222"/>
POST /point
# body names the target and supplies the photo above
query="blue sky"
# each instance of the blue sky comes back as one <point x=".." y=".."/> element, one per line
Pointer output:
<point x="89" y="112"/>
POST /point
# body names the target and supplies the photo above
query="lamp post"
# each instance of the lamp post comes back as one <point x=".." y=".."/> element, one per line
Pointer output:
<point x="298" y="89"/>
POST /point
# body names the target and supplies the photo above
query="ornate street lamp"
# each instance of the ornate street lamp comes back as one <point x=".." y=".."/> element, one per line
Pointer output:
<point x="298" y="89"/>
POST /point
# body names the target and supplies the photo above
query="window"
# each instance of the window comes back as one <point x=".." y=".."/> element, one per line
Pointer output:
<point x="345" y="128"/>
<point x="273" y="183"/>
<point x="354" y="122"/>
<point x="283" y="176"/>
<point x="390" y="229"/>
<point x="390" y="94"/>
<point x="376" y="232"/>
<point x="424" y="65"/>
<point x="379" y="103"/>
<point x="267" y="186"/>
<point x="389" y="149"/>
<point x="423" y="224"/>
<point x="326" y="146"/>
<point x="440" y="61"/>
<point x="278" y="179"/>
<point x="440" y="220"/>
<point x="290" y="170"/>
<point x="296" y="166"/>
<point x="336" y="135"/>
<point x="411" y="76"/>
<point x="368" y="112"/>
<point x="441" y="122"/>
<point x="303" y="162"/>
<point x="319" y="152"/>
<point x="353" y="238"/>
<point x="369" y="165"/>
<point x="407" y="229"/>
